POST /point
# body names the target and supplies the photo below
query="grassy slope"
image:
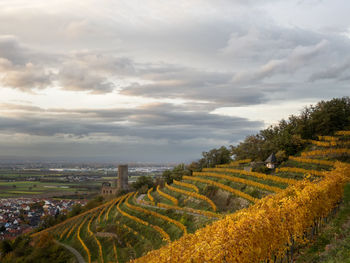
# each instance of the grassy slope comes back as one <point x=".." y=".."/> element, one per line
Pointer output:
<point x="333" y="243"/>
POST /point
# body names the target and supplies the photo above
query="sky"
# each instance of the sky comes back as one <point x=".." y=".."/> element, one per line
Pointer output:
<point x="161" y="81"/>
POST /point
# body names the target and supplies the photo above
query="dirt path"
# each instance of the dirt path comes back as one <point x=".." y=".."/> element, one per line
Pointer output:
<point x="108" y="234"/>
<point x="140" y="198"/>
<point x="78" y="256"/>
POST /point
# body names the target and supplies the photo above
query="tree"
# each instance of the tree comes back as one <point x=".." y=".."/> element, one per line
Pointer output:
<point x="5" y="247"/>
<point x="37" y="206"/>
<point x="143" y="180"/>
<point x="76" y="210"/>
<point x="176" y="173"/>
<point x="324" y="118"/>
<point x="98" y="200"/>
<point x="215" y="157"/>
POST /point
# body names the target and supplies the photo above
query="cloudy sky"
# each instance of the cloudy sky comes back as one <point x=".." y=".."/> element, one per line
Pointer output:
<point x="155" y="80"/>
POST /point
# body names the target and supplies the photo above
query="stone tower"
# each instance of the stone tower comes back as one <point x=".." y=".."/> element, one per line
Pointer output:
<point x="122" y="182"/>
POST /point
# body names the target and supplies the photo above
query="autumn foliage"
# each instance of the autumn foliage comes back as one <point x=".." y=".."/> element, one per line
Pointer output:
<point x="261" y="231"/>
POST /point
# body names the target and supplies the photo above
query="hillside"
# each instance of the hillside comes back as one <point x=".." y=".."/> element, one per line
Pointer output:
<point x="306" y="188"/>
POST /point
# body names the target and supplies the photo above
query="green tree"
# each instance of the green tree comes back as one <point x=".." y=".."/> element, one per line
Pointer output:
<point x="324" y="118"/>
<point x="214" y="157"/>
<point x="143" y="180"/>
<point x="176" y="173"/>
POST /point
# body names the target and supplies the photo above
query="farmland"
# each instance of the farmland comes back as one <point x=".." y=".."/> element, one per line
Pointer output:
<point x="70" y="183"/>
<point x="30" y="188"/>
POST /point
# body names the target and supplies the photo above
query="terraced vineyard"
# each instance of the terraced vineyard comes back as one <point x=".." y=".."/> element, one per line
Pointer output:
<point x="165" y="218"/>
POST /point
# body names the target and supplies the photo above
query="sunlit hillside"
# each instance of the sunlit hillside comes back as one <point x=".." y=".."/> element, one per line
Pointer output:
<point x="167" y="216"/>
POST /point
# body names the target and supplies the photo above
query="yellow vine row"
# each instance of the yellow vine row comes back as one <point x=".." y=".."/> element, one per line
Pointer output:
<point x="72" y="229"/>
<point x="322" y="143"/>
<point x="65" y="231"/>
<point x="255" y="174"/>
<point x="342" y="133"/>
<point x="140" y="209"/>
<point x="138" y="220"/>
<point x="259" y="233"/>
<point x="224" y="187"/>
<point x="82" y="242"/>
<point x="193" y="194"/>
<point x="185" y="209"/>
<point x="165" y="195"/>
<point x="100" y="252"/>
<point x="314" y="161"/>
<point x="329" y="143"/>
<point x="326" y="152"/>
<point x="300" y="170"/>
<point x="130" y="230"/>
<point x="104" y="209"/>
<point x="150" y="197"/>
<point x="110" y="208"/>
<point x="239" y="180"/>
<point x="192" y="186"/>
<point x="155" y="214"/>
<point x="235" y="163"/>
<point x="328" y="138"/>
<point x="165" y="235"/>
<point x="191" y="210"/>
<point x="115" y="253"/>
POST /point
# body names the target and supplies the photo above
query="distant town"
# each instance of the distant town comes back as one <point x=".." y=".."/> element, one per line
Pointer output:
<point x="31" y="191"/>
<point x="21" y="215"/>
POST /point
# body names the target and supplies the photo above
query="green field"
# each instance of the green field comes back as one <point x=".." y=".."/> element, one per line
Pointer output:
<point x="28" y="188"/>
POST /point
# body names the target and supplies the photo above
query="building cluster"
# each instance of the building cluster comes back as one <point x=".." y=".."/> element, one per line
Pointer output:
<point x="21" y="215"/>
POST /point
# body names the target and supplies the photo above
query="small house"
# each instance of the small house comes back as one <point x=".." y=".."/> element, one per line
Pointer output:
<point x="271" y="161"/>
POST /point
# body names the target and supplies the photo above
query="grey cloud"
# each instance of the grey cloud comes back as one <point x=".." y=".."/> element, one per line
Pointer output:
<point x="160" y="121"/>
<point x="19" y="54"/>
<point x="223" y="94"/>
<point x="17" y="68"/>
<point x="11" y="50"/>
<point x="104" y="62"/>
<point x="208" y="53"/>
<point x="259" y="42"/>
<point x="224" y="41"/>
<point x="25" y="69"/>
<point x="334" y="72"/>
<point x="186" y="83"/>
<point x="300" y="57"/>
<point x="74" y="77"/>
<point x="92" y="71"/>
<point x="27" y="78"/>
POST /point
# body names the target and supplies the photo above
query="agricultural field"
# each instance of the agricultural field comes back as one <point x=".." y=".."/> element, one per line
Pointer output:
<point x="48" y="183"/>
<point x="29" y="188"/>
<point x="220" y="205"/>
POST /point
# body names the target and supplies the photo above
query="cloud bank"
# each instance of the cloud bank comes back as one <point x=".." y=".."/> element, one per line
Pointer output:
<point x="113" y="80"/>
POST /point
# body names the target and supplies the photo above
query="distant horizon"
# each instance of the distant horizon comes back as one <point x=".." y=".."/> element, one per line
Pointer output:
<point x="19" y="160"/>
